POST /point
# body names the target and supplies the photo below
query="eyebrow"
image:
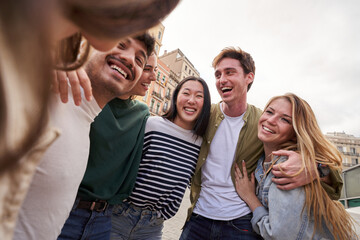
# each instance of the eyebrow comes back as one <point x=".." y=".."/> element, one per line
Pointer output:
<point x="196" y="91"/>
<point x="283" y="114"/>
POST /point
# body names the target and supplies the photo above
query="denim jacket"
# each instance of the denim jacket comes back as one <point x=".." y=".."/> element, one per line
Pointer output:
<point x="281" y="216"/>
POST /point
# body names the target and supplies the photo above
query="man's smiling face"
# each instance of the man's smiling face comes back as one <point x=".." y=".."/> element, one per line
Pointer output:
<point x="231" y="81"/>
<point x="118" y="70"/>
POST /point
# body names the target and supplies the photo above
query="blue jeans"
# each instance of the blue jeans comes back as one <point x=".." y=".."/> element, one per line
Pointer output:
<point x="130" y="222"/>
<point x="199" y="227"/>
<point x="87" y="224"/>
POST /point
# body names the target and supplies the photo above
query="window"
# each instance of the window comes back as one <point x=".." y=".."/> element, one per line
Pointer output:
<point x="156" y="48"/>
<point x="157" y="108"/>
<point x="163" y="80"/>
<point x="152" y="104"/>
<point x="185" y="67"/>
<point x="352" y="150"/>
<point x="355" y="161"/>
<point x="158" y="76"/>
<point x="159" y="35"/>
<point x="167" y="92"/>
<point x="340" y="148"/>
<point x="189" y="71"/>
<point x="165" y="106"/>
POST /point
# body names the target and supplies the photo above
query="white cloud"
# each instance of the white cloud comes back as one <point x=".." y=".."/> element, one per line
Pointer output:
<point x="311" y="48"/>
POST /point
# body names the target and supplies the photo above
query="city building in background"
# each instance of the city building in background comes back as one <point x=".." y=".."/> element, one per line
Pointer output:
<point x="179" y="64"/>
<point x="172" y="67"/>
<point x="348" y="145"/>
<point x="157" y="32"/>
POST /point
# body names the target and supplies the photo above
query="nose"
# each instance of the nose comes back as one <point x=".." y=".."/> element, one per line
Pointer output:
<point x="191" y="99"/>
<point x="272" y="120"/>
<point x="222" y="80"/>
<point x="129" y="57"/>
<point x="152" y="76"/>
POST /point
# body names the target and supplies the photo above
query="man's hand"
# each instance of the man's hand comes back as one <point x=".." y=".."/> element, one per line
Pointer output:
<point x="77" y="78"/>
<point x="292" y="166"/>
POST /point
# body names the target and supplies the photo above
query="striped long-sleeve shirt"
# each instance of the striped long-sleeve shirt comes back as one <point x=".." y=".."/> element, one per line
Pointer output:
<point x="168" y="162"/>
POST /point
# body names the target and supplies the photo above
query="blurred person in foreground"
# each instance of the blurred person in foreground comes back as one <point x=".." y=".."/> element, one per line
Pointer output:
<point x="30" y="32"/>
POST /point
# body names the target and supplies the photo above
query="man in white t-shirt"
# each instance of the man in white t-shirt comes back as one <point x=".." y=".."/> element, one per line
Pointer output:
<point x="57" y="178"/>
<point x="217" y="212"/>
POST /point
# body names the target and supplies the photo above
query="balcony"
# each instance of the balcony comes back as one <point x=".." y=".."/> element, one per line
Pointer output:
<point x="157" y="95"/>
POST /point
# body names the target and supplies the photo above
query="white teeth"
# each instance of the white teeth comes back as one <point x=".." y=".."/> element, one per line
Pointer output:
<point x="267" y="129"/>
<point x="119" y="70"/>
<point x="189" y="109"/>
<point x="145" y="84"/>
<point x="226" y="88"/>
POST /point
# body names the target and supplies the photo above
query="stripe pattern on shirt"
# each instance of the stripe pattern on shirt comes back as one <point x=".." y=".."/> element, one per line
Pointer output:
<point x="165" y="171"/>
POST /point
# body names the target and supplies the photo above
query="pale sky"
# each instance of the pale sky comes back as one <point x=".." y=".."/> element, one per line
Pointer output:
<point x="308" y="47"/>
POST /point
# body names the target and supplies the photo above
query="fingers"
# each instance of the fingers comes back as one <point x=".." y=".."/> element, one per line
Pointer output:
<point x="277" y="173"/>
<point x="75" y="87"/>
<point x="281" y="181"/>
<point x="244" y="168"/>
<point x="54" y="82"/>
<point x="238" y="174"/>
<point x="253" y="178"/>
<point x="85" y="83"/>
<point x="282" y="152"/>
<point x="287" y="187"/>
<point x="62" y="85"/>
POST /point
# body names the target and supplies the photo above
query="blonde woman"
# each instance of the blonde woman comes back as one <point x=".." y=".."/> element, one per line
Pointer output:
<point x="288" y="122"/>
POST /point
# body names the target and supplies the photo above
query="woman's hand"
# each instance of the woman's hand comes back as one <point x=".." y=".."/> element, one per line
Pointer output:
<point x="77" y="78"/>
<point x="246" y="187"/>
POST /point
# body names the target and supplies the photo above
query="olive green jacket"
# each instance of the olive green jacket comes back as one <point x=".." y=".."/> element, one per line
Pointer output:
<point x="249" y="148"/>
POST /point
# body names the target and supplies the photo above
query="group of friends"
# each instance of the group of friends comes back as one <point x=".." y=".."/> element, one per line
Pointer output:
<point x="103" y="168"/>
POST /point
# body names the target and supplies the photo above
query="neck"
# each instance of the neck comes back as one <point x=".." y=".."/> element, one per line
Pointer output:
<point x="268" y="150"/>
<point x="101" y="99"/>
<point x="234" y="110"/>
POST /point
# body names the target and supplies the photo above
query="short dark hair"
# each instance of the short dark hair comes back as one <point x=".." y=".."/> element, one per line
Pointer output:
<point x="148" y="40"/>
<point x="203" y="120"/>
<point x="246" y="61"/>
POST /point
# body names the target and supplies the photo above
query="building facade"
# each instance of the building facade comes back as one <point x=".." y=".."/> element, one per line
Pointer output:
<point x="179" y="64"/>
<point x="348" y="145"/>
<point x="157" y="32"/>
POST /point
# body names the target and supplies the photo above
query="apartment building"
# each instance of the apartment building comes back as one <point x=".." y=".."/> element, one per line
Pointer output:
<point x="348" y="145"/>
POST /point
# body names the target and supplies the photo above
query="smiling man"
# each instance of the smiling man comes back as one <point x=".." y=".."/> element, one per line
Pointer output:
<point x="217" y="211"/>
<point x="57" y="178"/>
<point x="116" y="141"/>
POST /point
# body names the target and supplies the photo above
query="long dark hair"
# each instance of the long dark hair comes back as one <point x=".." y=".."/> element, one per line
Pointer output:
<point x="203" y="120"/>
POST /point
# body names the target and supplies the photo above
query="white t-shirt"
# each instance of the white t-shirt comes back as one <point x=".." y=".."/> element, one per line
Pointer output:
<point x="57" y="178"/>
<point x="218" y="198"/>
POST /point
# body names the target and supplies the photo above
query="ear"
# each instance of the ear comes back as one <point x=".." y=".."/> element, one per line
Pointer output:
<point x="250" y="77"/>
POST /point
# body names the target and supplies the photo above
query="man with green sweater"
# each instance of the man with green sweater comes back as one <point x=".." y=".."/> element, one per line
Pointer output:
<point x="116" y="141"/>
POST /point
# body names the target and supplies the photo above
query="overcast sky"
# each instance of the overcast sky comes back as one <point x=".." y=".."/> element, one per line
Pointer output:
<point x="308" y="47"/>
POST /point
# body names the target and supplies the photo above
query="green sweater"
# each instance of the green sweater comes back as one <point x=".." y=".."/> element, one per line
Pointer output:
<point x="116" y="141"/>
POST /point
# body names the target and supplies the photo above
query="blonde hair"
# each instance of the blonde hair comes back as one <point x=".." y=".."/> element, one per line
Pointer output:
<point x="26" y="64"/>
<point x="315" y="148"/>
